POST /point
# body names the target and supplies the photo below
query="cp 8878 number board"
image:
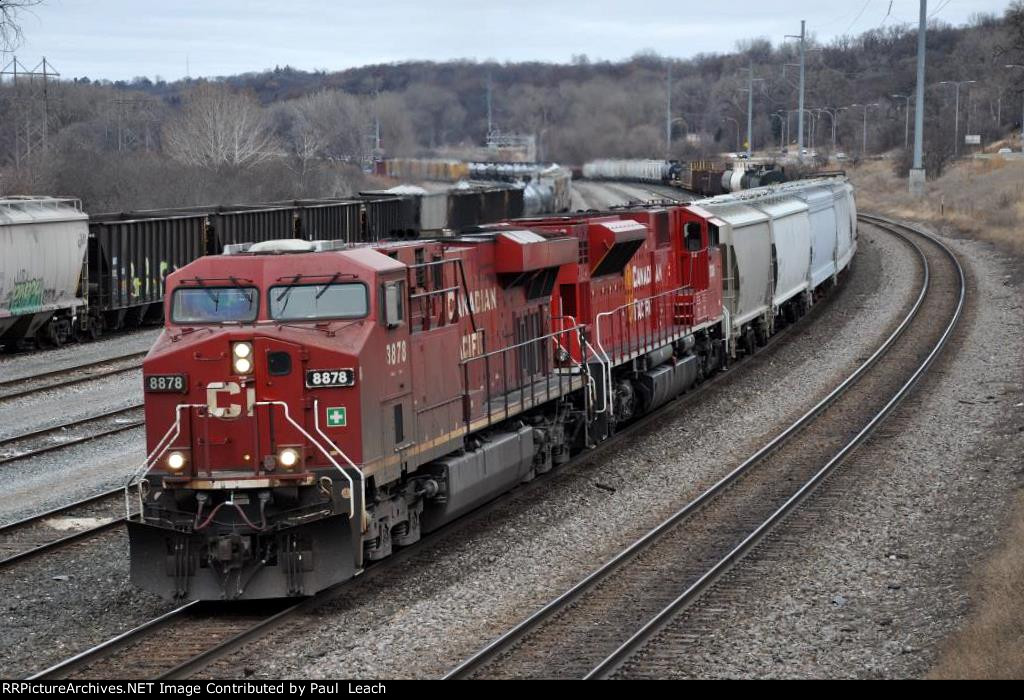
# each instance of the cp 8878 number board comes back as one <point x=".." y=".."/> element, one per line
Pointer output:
<point x="330" y="378"/>
<point x="166" y="383"/>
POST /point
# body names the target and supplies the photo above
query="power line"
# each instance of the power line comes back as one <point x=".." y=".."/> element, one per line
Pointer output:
<point x="940" y="8"/>
<point x="857" y="18"/>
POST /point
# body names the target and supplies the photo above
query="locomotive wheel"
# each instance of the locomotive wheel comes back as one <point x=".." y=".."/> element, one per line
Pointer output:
<point x="95" y="330"/>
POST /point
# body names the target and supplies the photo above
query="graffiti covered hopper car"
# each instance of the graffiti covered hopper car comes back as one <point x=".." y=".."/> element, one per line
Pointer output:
<point x="42" y="252"/>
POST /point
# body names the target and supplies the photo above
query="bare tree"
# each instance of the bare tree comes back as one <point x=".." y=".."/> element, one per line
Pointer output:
<point x="10" y="27"/>
<point x="219" y="128"/>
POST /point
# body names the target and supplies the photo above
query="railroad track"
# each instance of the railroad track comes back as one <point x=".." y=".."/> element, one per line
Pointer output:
<point x="70" y="376"/>
<point x="178" y="628"/>
<point x="60" y="527"/>
<point x="75" y="432"/>
<point x="624" y="619"/>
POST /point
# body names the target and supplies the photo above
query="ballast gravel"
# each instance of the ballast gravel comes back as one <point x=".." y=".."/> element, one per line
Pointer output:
<point x="454" y="597"/>
<point x="870" y="581"/>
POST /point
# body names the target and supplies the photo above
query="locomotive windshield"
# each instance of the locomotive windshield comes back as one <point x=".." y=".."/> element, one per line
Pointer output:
<point x="307" y="302"/>
<point x="215" y="305"/>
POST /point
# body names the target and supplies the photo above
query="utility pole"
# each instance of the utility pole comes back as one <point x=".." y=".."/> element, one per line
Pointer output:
<point x="668" y="114"/>
<point x="800" y="120"/>
<point x="917" y="174"/>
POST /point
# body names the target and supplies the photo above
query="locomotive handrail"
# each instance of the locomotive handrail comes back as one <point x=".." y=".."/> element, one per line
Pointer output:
<point x="155" y="455"/>
<point x="504" y="352"/>
<point x="351" y="485"/>
<point x="607" y="405"/>
<point x="316" y="421"/>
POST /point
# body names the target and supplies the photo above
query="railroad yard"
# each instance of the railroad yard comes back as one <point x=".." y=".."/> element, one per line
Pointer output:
<point x="865" y="579"/>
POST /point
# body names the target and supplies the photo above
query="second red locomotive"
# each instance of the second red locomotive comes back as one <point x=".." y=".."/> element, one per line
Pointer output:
<point x="312" y="406"/>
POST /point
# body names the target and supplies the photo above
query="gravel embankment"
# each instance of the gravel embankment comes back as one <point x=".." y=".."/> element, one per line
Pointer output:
<point x="881" y="578"/>
<point x="458" y="595"/>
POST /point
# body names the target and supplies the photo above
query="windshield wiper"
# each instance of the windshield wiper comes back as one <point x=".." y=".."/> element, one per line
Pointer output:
<point x="201" y="285"/>
<point x="286" y="294"/>
<point x="327" y="286"/>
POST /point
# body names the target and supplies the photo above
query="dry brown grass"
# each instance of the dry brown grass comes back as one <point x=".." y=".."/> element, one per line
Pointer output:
<point x="983" y="199"/>
<point x="991" y="644"/>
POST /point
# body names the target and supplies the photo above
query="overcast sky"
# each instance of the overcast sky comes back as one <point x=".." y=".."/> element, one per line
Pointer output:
<point x="121" y="39"/>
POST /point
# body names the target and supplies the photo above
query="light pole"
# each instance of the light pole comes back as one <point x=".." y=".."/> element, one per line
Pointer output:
<point x="781" y="116"/>
<point x="803" y="50"/>
<point x="864" y="148"/>
<point x="906" y="135"/>
<point x="750" y="109"/>
<point x="799" y="138"/>
<point x="736" y="122"/>
<point x="838" y="110"/>
<point x="1016" y="65"/>
<point x="956" y="120"/>
<point x="832" y="117"/>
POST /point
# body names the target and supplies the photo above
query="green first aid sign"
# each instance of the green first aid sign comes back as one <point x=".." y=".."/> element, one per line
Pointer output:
<point x="337" y="417"/>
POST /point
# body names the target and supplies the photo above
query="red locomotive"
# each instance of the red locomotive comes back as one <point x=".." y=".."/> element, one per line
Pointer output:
<point x="312" y="406"/>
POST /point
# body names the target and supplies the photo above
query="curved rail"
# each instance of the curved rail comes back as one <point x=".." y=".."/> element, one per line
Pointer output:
<point x="510" y="638"/>
<point x="615" y="661"/>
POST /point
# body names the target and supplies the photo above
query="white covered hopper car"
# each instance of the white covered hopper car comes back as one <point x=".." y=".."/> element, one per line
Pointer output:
<point x="43" y="243"/>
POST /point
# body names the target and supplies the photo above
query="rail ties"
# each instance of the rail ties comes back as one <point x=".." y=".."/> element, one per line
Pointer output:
<point x="37" y="442"/>
<point x="60" y="527"/>
<point x="175" y="644"/>
<point x="70" y="376"/>
<point x="629" y="624"/>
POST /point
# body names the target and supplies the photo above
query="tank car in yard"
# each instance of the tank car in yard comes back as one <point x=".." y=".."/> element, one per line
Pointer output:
<point x="656" y="171"/>
<point x="313" y="405"/>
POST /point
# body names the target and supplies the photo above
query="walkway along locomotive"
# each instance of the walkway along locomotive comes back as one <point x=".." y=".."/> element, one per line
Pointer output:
<point x="311" y="406"/>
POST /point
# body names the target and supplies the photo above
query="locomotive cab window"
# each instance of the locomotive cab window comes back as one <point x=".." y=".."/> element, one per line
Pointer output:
<point x="693" y="242"/>
<point x="393" y="304"/>
<point x="713" y="236"/>
<point x="214" y="305"/>
<point x="314" y="302"/>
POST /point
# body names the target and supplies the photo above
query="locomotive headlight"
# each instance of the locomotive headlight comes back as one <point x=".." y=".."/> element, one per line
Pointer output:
<point x="176" y="461"/>
<point x="242" y="358"/>
<point x="288" y="457"/>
